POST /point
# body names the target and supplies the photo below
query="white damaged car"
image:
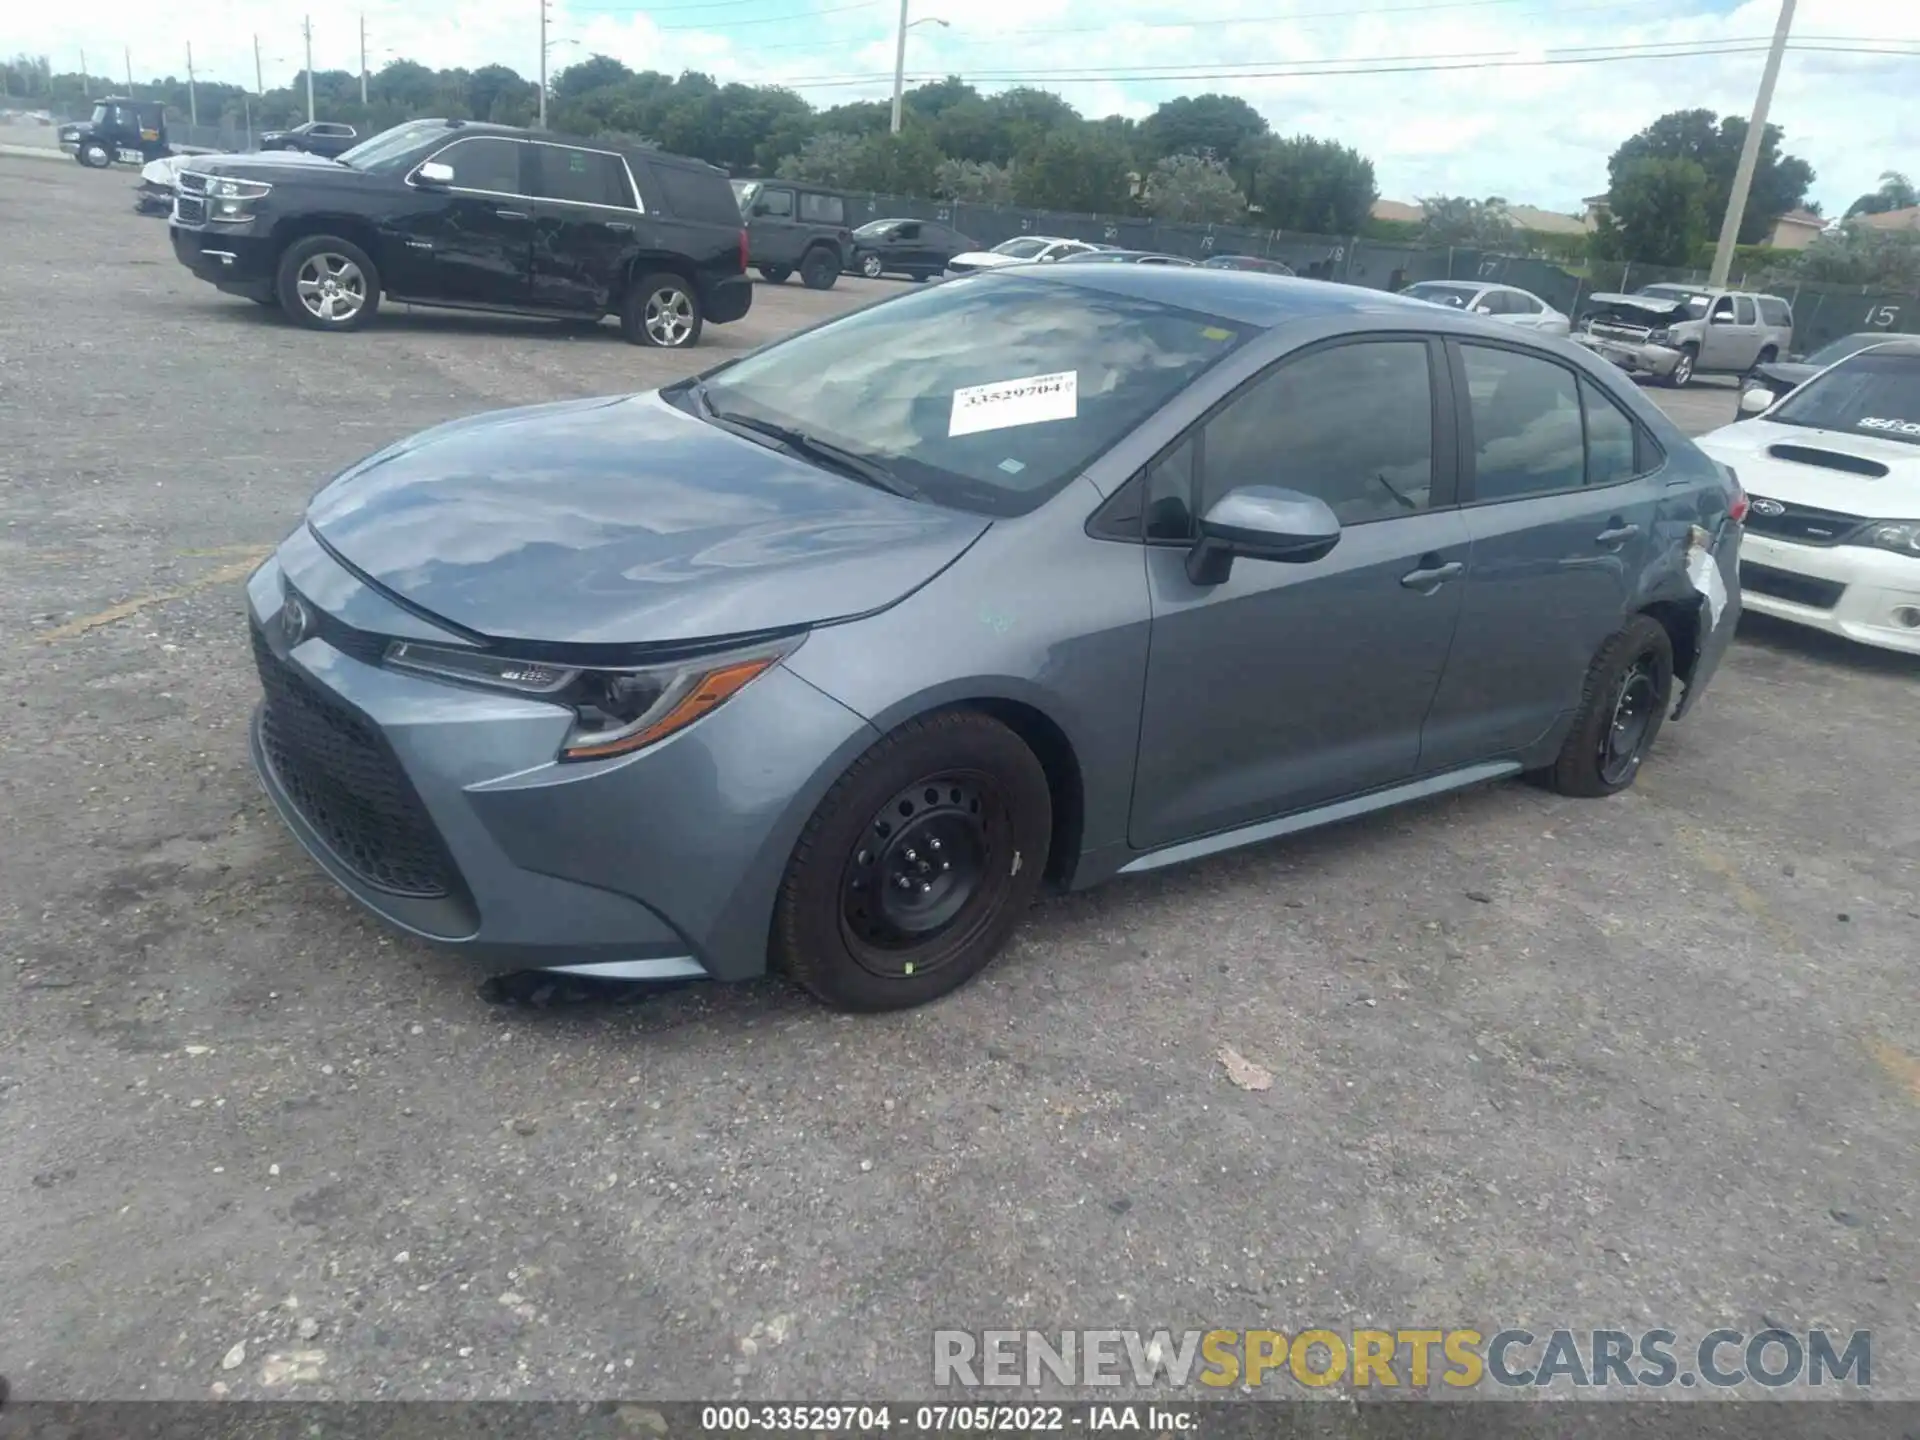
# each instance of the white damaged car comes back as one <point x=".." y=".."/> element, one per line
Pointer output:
<point x="1021" y="250"/>
<point x="1832" y="473"/>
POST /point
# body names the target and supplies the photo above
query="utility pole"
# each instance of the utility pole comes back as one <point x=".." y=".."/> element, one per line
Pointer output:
<point x="1750" y="152"/>
<point x="193" y="96"/>
<point x="86" y="84"/>
<point x="306" y="29"/>
<point x="543" y="64"/>
<point x="363" y="59"/>
<point x="129" y="52"/>
<point x="259" y="85"/>
<point x="899" y="66"/>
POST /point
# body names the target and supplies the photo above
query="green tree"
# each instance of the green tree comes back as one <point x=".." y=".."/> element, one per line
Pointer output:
<point x="982" y="182"/>
<point x="1896" y="192"/>
<point x="1224" y="126"/>
<point x="1080" y="168"/>
<point x="1319" y="187"/>
<point x="829" y="159"/>
<point x="1194" y="188"/>
<point x="1466" y="223"/>
<point x="596" y="72"/>
<point x="1780" y="181"/>
<point x="1657" y="212"/>
<point x="902" y="164"/>
<point x="1858" y="254"/>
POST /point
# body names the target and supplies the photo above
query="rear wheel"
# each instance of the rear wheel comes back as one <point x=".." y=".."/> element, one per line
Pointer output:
<point x="327" y="283"/>
<point x="662" y="310"/>
<point x="774" y="274"/>
<point x="1682" y="373"/>
<point x="916" y="866"/>
<point x="819" y="269"/>
<point x="1628" y="693"/>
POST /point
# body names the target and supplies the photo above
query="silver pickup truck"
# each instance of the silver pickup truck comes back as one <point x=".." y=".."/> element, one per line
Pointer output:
<point x="1674" y="332"/>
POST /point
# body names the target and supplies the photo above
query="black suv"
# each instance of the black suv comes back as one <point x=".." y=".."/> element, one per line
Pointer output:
<point x="473" y="217"/>
<point x="316" y="137"/>
<point x="793" y="227"/>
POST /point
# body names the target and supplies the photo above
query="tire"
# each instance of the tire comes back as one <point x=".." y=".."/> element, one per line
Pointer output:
<point x="94" y="155"/>
<point x="872" y="267"/>
<point x="1599" y="757"/>
<point x="662" y="310"/>
<point x="774" y="274"/>
<point x="1767" y="357"/>
<point x="844" y="926"/>
<point x="1681" y="375"/>
<point x="920" y="277"/>
<point x="326" y="283"/>
<point x="818" y="268"/>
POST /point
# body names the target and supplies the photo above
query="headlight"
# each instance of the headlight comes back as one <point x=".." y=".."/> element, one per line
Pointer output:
<point x="615" y="711"/>
<point x="1900" y="536"/>
<point x="222" y="188"/>
<point x="1661" y="337"/>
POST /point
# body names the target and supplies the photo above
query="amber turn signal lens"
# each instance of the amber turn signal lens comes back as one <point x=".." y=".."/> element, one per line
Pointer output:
<point x="711" y="691"/>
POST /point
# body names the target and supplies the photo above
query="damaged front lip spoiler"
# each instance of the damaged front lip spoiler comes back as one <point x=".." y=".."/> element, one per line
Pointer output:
<point x="1642" y="355"/>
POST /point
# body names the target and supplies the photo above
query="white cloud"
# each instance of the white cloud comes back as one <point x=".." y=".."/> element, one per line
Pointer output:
<point x="1536" y="135"/>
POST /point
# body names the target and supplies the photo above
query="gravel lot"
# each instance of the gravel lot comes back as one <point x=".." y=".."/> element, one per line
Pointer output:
<point x="1536" y="1061"/>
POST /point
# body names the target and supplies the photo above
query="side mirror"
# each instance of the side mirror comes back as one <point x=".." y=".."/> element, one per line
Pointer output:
<point x="433" y="174"/>
<point x="1261" y="522"/>
<point x="1483" y="309"/>
<point x="1720" y="317"/>
<point x="1755" y="400"/>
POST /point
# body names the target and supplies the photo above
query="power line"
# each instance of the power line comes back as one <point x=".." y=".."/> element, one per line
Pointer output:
<point x="778" y="19"/>
<point x="1338" y="68"/>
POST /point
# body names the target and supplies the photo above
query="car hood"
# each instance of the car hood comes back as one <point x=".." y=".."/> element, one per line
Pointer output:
<point x="1787" y="372"/>
<point x="271" y="164"/>
<point x="1637" y="309"/>
<point x="1754" y="449"/>
<point x="625" y="522"/>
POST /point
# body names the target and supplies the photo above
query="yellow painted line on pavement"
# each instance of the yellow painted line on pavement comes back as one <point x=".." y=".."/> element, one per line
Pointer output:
<point x="223" y="575"/>
<point x="1901" y="1067"/>
<point x="1733" y="881"/>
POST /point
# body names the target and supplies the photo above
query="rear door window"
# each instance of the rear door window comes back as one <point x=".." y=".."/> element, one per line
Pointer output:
<point x="1743" y="310"/>
<point x="1610" y="438"/>
<point x="822" y="209"/>
<point x="1527" y="433"/>
<point x="582" y="177"/>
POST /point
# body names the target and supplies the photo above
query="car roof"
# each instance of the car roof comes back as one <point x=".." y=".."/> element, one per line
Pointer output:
<point x="1246" y="296"/>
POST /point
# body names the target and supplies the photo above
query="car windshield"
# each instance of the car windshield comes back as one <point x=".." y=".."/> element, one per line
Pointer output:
<point x="391" y="148"/>
<point x="1695" y="301"/>
<point x="102" y="114"/>
<point x="1839" y="349"/>
<point x="1439" y="294"/>
<point x="1874" y="393"/>
<point x="987" y="394"/>
<point x="1024" y="248"/>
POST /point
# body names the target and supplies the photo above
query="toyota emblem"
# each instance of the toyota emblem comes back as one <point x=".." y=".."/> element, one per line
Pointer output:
<point x="1768" y="507"/>
<point x="294" y="620"/>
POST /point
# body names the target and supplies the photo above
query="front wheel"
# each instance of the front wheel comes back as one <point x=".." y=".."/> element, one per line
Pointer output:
<point x="327" y="283"/>
<point x="662" y="310"/>
<point x="819" y="269"/>
<point x="871" y="267"/>
<point x="916" y="866"/>
<point x="1628" y="693"/>
<point x="1682" y="373"/>
<point x="94" y="155"/>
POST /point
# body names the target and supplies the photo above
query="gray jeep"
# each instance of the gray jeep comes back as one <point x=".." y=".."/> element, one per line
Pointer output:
<point x="794" y="226"/>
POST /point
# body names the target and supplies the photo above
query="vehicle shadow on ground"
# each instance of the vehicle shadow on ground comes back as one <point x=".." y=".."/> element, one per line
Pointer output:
<point x="1784" y="638"/>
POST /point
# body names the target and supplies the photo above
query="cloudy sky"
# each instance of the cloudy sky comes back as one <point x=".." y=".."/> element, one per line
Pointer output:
<point x="1536" y="134"/>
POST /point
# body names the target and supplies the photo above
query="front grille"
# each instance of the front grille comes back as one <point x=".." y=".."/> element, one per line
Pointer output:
<point x="1800" y="524"/>
<point x="190" y="209"/>
<point x="193" y="181"/>
<point x="343" y="778"/>
<point x="1785" y="585"/>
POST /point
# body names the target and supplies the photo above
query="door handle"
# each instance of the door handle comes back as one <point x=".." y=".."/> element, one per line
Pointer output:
<point x="1616" y="534"/>
<point x="1431" y="577"/>
<point x="511" y="214"/>
<point x="619" y="227"/>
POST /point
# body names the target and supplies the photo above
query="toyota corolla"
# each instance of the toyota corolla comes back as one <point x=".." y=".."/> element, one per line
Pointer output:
<point x="828" y="659"/>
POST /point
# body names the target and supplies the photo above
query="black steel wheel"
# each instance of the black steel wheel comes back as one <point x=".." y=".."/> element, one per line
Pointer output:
<point x="916" y="865"/>
<point x="819" y="268"/>
<point x="1628" y="693"/>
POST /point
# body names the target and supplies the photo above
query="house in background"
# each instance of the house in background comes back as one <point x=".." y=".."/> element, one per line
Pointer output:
<point x="1796" y="230"/>
<point x="1525" y="217"/>
<point x="1907" y="219"/>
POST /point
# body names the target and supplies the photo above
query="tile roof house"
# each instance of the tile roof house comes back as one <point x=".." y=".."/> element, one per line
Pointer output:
<point x="1796" y="230"/>
<point x="1907" y="219"/>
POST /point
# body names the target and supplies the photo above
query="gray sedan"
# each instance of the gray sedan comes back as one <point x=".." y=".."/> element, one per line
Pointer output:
<point x="829" y="659"/>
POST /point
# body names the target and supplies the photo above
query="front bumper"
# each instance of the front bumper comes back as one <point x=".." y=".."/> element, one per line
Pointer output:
<point x="1635" y="359"/>
<point x="674" y="854"/>
<point x="1851" y="590"/>
<point x="230" y="256"/>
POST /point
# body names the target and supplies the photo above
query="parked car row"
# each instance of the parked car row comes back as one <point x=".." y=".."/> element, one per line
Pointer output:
<point x="1041" y="576"/>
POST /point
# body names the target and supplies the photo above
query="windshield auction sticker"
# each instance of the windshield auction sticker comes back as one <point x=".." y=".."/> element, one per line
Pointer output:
<point x="1031" y="400"/>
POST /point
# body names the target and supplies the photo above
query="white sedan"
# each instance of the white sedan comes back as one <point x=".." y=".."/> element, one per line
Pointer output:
<point x="1832" y="474"/>
<point x="1500" y="302"/>
<point x="1021" y="250"/>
